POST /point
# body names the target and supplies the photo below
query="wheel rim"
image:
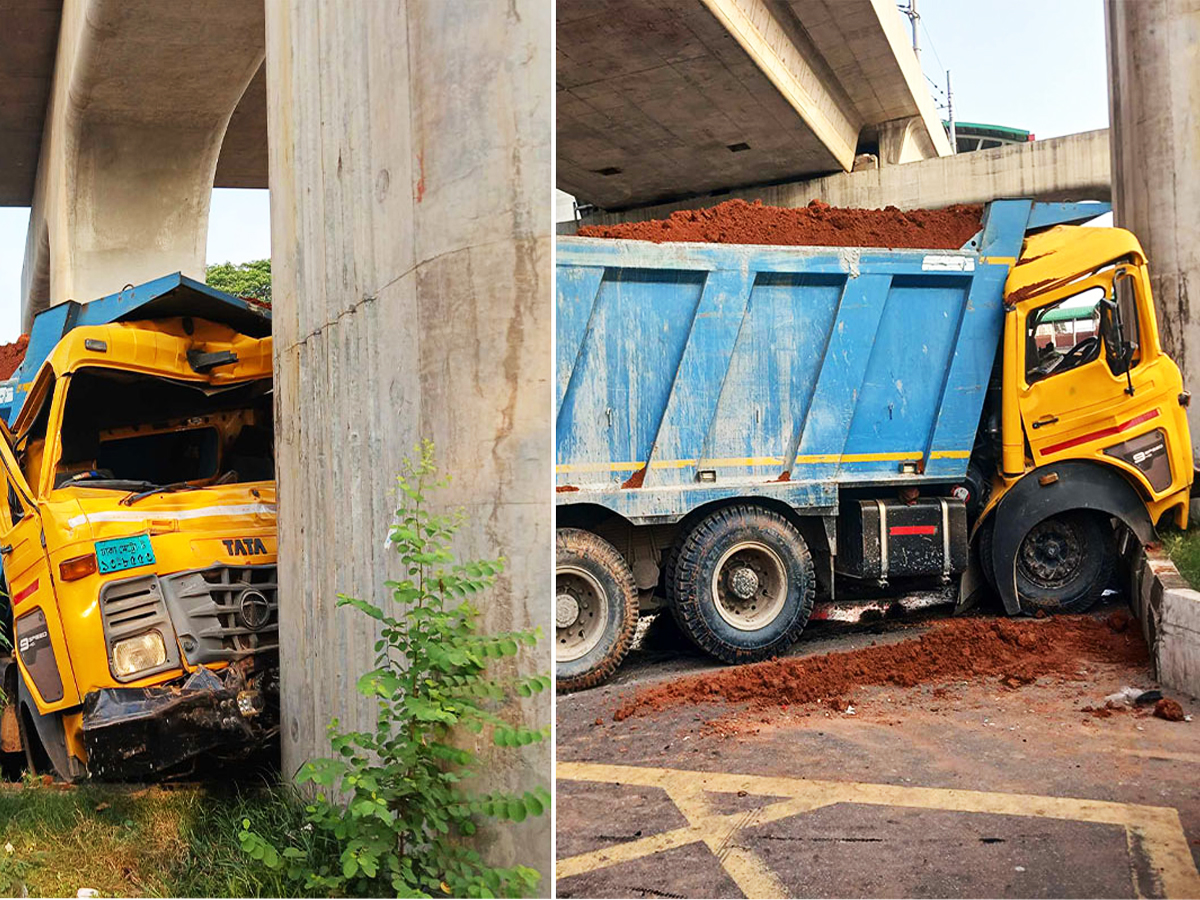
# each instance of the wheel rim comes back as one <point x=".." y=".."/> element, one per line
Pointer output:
<point x="749" y="586"/>
<point x="580" y="611"/>
<point x="1051" y="554"/>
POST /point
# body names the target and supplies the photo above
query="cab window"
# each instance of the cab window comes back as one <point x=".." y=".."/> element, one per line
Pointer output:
<point x="1064" y="335"/>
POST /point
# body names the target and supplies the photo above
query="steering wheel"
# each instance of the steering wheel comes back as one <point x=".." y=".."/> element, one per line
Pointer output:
<point x="1078" y="354"/>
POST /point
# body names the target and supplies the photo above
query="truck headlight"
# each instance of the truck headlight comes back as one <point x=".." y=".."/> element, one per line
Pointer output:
<point x="138" y="653"/>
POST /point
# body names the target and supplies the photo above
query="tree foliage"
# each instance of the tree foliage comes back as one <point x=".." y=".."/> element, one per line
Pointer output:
<point x="396" y="810"/>
<point x="249" y="280"/>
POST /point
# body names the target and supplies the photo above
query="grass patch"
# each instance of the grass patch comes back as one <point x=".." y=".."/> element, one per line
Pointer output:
<point x="1184" y="549"/>
<point x="151" y="842"/>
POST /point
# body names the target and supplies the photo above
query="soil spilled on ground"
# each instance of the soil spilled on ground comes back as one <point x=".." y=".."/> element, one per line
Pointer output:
<point x="818" y="224"/>
<point x="1015" y="652"/>
<point x="11" y="355"/>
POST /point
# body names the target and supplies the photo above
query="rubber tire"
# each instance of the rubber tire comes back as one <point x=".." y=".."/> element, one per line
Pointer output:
<point x="588" y="551"/>
<point x="1082" y="592"/>
<point x="983" y="546"/>
<point x="689" y="578"/>
<point x="37" y="760"/>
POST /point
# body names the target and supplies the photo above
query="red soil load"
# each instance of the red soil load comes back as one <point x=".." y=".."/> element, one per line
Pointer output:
<point x="11" y="355"/>
<point x="959" y="649"/>
<point x="818" y="224"/>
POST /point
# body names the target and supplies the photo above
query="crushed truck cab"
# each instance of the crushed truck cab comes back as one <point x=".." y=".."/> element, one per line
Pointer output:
<point x="138" y="539"/>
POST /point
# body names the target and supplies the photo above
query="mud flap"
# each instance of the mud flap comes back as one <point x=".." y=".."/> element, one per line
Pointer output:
<point x="49" y="729"/>
<point x="972" y="586"/>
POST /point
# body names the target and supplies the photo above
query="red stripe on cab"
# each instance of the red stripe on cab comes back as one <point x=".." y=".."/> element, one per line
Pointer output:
<point x="26" y="593"/>
<point x="1103" y="432"/>
<point x="900" y="530"/>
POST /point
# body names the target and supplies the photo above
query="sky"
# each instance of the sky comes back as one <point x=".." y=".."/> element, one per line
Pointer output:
<point x="1038" y="65"/>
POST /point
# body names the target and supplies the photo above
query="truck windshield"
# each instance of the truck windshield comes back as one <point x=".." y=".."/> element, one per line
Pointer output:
<point x="1063" y="335"/>
<point x="128" y="431"/>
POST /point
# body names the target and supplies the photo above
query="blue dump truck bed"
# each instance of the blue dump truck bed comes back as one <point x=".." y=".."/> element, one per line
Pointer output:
<point x="691" y="372"/>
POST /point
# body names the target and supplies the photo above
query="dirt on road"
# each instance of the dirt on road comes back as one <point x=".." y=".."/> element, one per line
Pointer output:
<point x="1015" y="652"/>
<point x="818" y="224"/>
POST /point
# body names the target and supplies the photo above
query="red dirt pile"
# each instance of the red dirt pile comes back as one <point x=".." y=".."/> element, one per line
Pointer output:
<point x="11" y="355"/>
<point x="1015" y="652"/>
<point x="818" y="224"/>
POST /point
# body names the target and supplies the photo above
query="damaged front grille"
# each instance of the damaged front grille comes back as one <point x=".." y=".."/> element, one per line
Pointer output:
<point x="224" y="612"/>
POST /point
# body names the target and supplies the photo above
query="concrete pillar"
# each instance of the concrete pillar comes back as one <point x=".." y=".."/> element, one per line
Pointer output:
<point x="142" y="95"/>
<point x="1154" y="101"/>
<point x="410" y="226"/>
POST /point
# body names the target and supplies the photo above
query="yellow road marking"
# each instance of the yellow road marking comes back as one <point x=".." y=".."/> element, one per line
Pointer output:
<point x="1157" y="828"/>
<point x="743" y="864"/>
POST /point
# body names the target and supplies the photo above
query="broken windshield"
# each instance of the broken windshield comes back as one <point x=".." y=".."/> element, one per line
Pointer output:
<point x="125" y="431"/>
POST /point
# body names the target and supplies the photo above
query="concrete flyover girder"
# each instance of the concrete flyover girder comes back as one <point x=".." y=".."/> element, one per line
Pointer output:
<point x="660" y="99"/>
<point x="1074" y="167"/>
<point x="142" y="94"/>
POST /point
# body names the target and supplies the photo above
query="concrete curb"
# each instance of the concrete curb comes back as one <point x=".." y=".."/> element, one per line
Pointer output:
<point x="1168" y="609"/>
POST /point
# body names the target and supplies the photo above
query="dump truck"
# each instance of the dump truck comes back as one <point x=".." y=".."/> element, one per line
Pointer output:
<point x="743" y="431"/>
<point x="138" y="537"/>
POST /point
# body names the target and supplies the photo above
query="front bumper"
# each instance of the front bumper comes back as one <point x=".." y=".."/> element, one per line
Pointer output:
<point x="134" y="733"/>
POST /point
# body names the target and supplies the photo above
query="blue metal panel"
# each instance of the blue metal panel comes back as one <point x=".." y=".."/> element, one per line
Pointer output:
<point x="669" y="503"/>
<point x="1044" y="215"/>
<point x="772" y="372"/>
<point x="903" y="383"/>
<point x="573" y="309"/>
<point x="623" y="376"/>
<point x="690" y="409"/>
<point x="975" y="349"/>
<point x="827" y="425"/>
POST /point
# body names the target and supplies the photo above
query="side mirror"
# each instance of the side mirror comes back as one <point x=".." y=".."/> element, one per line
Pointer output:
<point x="1117" y="350"/>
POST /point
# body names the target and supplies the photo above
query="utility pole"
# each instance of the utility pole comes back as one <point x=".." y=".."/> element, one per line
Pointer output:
<point x="950" y="113"/>
<point x="914" y="19"/>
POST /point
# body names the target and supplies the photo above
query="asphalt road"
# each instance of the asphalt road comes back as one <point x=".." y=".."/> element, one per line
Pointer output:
<point x="941" y="790"/>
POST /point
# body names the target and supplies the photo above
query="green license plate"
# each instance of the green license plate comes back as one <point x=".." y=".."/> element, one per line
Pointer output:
<point x="124" y="553"/>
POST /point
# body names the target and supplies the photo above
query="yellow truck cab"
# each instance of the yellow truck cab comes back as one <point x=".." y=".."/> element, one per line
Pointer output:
<point x="138" y="544"/>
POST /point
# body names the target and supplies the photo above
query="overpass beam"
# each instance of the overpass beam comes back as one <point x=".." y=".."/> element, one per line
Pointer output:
<point x="1154" y="102"/>
<point x="142" y="96"/>
<point x="773" y="50"/>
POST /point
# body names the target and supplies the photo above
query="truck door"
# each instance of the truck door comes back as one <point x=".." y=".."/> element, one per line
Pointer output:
<point x="38" y="636"/>
<point x="1087" y="385"/>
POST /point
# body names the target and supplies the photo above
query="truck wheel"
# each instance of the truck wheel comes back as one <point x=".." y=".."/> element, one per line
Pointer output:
<point x="1065" y="562"/>
<point x="595" y="610"/>
<point x="742" y="584"/>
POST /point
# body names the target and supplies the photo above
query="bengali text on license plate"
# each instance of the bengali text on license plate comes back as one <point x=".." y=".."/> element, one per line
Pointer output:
<point x="124" y="553"/>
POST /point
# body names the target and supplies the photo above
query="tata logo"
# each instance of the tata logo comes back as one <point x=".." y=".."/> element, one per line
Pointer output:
<point x="244" y="546"/>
